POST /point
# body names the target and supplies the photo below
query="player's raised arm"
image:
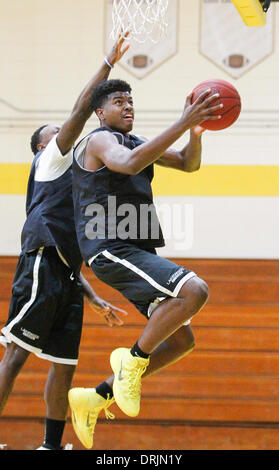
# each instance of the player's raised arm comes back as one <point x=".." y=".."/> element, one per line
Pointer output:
<point x="82" y="110"/>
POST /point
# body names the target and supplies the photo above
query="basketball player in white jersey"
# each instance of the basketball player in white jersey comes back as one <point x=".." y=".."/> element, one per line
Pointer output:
<point x="46" y="309"/>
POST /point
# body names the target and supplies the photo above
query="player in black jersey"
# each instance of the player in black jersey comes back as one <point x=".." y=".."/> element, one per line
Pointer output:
<point x="114" y="169"/>
<point x="46" y="308"/>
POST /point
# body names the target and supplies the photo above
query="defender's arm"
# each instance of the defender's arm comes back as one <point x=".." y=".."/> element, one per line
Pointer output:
<point x="82" y="110"/>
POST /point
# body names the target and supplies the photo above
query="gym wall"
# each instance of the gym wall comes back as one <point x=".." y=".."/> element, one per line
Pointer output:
<point x="228" y="209"/>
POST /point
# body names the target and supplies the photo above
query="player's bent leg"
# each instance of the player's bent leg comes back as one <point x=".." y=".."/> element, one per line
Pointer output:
<point x="11" y="364"/>
<point x="168" y="317"/>
<point x="86" y="405"/>
<point x="172" y="313"/>
<point x="129" y="370"/>
<point x="176" y="347"/>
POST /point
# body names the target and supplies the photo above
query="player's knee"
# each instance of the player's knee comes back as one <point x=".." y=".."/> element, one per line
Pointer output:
<point x="203" y="291"/>
<point x="195" y="293"/>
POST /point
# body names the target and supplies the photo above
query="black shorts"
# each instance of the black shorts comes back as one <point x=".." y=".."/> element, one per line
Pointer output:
<point x="142" y="276"/>
<point x="46" y="309"/>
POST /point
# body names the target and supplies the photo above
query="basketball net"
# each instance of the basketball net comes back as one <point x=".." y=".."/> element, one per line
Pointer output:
<point x="145" y="19"/>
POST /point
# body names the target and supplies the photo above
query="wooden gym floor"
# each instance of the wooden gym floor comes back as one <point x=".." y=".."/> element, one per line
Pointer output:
<point x="223" y="396"/>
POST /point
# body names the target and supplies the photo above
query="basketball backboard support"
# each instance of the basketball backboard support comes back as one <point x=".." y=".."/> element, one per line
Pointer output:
<point x="253" y="12"/>
<point x="236" y="49"/>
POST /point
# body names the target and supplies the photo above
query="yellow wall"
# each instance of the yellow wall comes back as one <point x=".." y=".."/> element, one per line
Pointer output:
<point x="48" y="52"/>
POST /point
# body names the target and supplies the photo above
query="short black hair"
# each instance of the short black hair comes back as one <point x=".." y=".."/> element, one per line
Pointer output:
<point x="35" y="139"/>
<point x="104" y="89"/>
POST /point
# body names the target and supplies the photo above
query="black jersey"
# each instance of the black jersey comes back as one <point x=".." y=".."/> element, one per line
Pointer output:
<point x="103" y="198"/>
<point x="50" y="216"/>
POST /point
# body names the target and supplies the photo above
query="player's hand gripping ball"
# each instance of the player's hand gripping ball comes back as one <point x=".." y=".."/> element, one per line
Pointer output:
<point x="229" y="97"/>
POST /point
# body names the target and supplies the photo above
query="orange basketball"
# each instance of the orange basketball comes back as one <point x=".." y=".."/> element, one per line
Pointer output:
<point x="230" y="98"/>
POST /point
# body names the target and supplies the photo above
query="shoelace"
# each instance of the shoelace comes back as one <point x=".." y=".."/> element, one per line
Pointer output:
<point x="134" y="379"/>
<point x="109" y="402"/>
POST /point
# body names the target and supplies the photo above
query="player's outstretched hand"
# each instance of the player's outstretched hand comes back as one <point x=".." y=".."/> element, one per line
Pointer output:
<point x="119" y="49"/>
<point x="106" y="310"/>
<point x="203" y="109"/>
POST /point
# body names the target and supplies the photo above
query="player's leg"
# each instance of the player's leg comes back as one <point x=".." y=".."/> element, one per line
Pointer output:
<point x="153" y="346"/>
<point x="130" y="365"/>
<point x="185" y="299"/>
<point x="10" y="366"/>
<point x="62" y="348"/>
<point x="171" y="314"/>
<point x="144" y="278"/>
<point x="32" y="311"/>
<point x="177" y="346"/>
<point x="89" y="402"/>
<point x="15" y="337"/>
<point x="58" y="384"/>
<point x="39" y="320"/>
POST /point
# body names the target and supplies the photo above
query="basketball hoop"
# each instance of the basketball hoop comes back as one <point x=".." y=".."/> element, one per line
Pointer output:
<point x="145" y="19"/>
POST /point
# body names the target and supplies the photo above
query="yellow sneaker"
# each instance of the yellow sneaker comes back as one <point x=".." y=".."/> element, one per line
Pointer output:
<point x="86" y="404"/>
<point x="128" y="371"/>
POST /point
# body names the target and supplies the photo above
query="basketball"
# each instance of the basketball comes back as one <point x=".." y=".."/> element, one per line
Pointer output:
<point x="229" y="97"/>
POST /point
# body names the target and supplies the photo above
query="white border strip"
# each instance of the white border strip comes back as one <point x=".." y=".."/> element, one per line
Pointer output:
<point x="182" y="282"/>
<point x="33" y="292"/>
<point x="138" y="271"/>
<point x="58" y="360"/>
<point x="90" y="261"/>
<point x="10" y="338"/>
<point x="145" y="276"/>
